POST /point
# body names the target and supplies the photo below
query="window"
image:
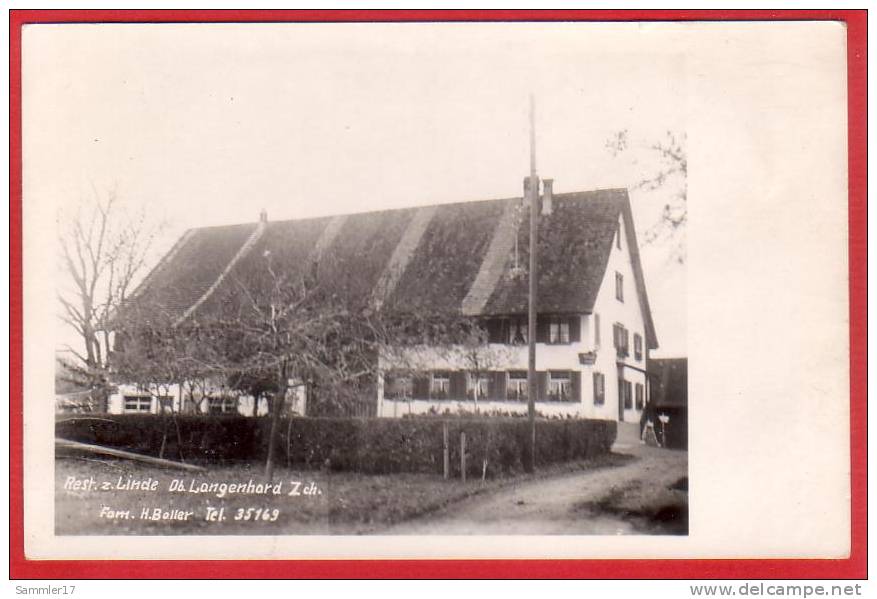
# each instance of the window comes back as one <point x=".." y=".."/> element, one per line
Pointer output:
<point x="518" y="331"/>
<point x="138" y="403"/>
<point x="398" y="387"/>
<point x="517" y="387"/>
<point x="166" y="403"/>
<point x="496" y="330"/>
<point x="596" y="331"/>
<point x="558" y="330"/>
<point x="599" y="389"/>
<point x="440" y="386"/>
<point x="639" y="396"/>
<point x="620" y="339"/>
<point x="222" y="405"/>
<point x="637" y="346"/>
<point x="619" y="287"/>
<point x="625" y="394"/>
<point x="477" y="386"/>
<point x="559" y="386"/>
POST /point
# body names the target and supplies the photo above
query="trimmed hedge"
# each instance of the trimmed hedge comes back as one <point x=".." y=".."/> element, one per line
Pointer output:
<point x="373" y="445"/>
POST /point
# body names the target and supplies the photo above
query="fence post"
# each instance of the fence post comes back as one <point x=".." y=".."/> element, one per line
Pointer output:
<point x="463" y="456"/>
<point x="446" y="450"/>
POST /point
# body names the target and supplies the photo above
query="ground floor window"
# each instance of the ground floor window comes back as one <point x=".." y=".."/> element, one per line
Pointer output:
<point x="222" y="405"/>
<point x="517" y="386"/>
<point x="478" y="386"/>
<point x="559" y="385"/>
<point x="625" y="394"/>
<point x="440" y="386"/>
<point x="398" y="387"/>
<point x="639" y="396"/>
<point x="138" y="403"/>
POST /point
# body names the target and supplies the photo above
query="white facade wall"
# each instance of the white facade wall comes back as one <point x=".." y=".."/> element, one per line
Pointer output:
<point x="501" y="357"/>
<point x="296" y="400"/>
<point x="552" y="357"/>
<point x="628" y="313"/>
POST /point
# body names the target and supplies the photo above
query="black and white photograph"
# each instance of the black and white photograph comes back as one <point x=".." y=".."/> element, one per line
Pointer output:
<point x="303" y="262"/>
<point x="405" y="279"/>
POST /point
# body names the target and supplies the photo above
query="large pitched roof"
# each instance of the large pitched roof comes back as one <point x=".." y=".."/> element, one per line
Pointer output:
<point x="450" y="257"/>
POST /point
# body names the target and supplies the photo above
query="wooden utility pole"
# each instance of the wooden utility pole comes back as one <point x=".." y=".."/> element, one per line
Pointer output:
<point x="463" y="456"/>
<point x="533" y="191"/>
<point x="446" y="454"/>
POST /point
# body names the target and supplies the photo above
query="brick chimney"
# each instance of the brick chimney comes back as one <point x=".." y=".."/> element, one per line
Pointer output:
<point x="547" y="196"/>
<point x="263" y="216"/>
<point x="527" y="186"/>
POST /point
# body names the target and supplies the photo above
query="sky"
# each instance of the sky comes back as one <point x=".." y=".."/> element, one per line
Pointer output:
<point x="209" y="124"/>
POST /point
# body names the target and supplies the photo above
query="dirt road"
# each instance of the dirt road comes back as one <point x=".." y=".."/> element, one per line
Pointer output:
<point x="634" y="498"/>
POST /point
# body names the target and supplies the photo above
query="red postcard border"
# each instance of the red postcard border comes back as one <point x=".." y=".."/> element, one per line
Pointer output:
<point x="854" y="567"/>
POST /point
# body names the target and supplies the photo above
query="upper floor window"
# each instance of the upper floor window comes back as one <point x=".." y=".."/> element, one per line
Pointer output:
<point x="558" y="330"/>
<point x="619" y="287"/>
<point x="514" y="330"/>
<point x="517" y="385"/>
<point x="559" y="386"/>
<point x="599" y="388"/>
<point x="638" y="346"/>
<point x="440" y="385"/>
<point x="518" y="331"/>
<point x="621" y="338"/>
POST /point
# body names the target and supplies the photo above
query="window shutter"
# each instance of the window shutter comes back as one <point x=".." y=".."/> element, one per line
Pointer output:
<point x="596" y="330"/>
<point x="389" y="378"/>
<point x="458" y="385"/>
<point x="541" y="386"/>
<point x="596" y="379"/>
<point x="576" y="383"/>
<point x="494" y="331"/>
<point x="542" y="329"/>
<point x="497" y="386"/>
<point x="575" y="329"/>
<point x="421" y="386"/>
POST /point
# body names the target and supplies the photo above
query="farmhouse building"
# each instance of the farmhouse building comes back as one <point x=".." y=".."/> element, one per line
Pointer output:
<point x="594" y="327"/>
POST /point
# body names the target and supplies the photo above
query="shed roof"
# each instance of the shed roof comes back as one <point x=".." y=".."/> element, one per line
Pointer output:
<point x="669" y="382"/>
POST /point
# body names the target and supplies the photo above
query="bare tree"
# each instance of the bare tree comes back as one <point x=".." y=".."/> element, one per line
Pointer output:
<point x="666" y="169"/>
<point x="102" y="254"/>
<point x="280" y="328"/>
<point x="275" y="327"/>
